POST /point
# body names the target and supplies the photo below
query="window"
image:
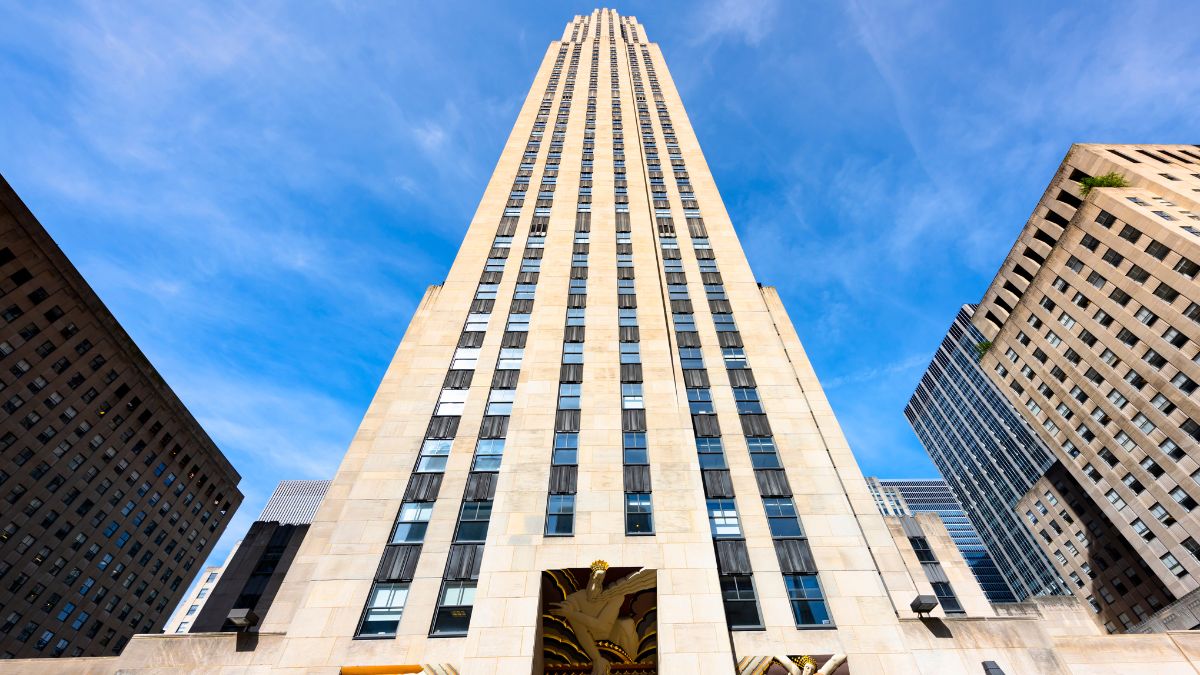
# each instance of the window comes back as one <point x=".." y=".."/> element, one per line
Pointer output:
<point x="723" y="518"/>
<point x="630" y="352"/>
<point x="1161" y="513"/>
<point x="518" y="323"/>
<point x="683" y="322"/>
<point x="808" y="602"/>
<point x="510" y="358"/>
<point x="433" y="456"/>
<point x="1172" y="564"/>
<point x="572" y="352"/>
<point x="923" y="550"/>
<point x="453" y="615"/>
<point x="747" y="401"/>
<point x="634" y="445"/>
<point x="762" y="452"/>
<point x="700" y="401"/>
<point x="639" y="513"/>
<point x="451" y="402"/>
<point x="1143" y="423"/>
<point x="741" y="606"/>
<point x="477" y="322"/>
<point x="712" y="455"/>
<point x="1142" y="529"/>
<point x="1114" y="499"/>
<point x="500" y="402"/>
<point x="560" y="515"/>
<point x="631" y="396"/>
<point x="384" y="608"/>
<point x="782" y="518"/>
<point x="473" y="522"/>
<point x="412" y="522"/>
<point x="691" y="358"/>
<point x="465" y="358"/>
<point x="735" y="358"/>
<point x="723" y="322"/>
<point x="1183" y="498"/>
<point x="488" y="453"/>
<point x="566" y="449"/>
<point x="946" y="597"/>
<point x="575" y="316"/>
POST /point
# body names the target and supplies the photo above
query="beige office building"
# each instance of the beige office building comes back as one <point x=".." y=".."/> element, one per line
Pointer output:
<point x="600" y="448"/>
<point x="1095" y="328"/>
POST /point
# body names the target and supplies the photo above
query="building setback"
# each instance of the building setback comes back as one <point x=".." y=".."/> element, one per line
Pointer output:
<point x="256" y="569"/>
<point x="908" y="497"/>
<point x="1094" y="325"/>
<point x="112" y="491"/>
<point x="190" y="606"/>
<point x="600" y="448"/>
<point x="987" y="453"/>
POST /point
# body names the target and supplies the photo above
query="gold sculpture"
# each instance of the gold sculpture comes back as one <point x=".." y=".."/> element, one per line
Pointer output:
<point x="597" y="622"/>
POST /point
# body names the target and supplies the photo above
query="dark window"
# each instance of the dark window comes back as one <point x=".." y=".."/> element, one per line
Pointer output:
<point x="453" y="616"/>
<point x="473" y="521"/>
<point x="560" y="515"/>
<point x="741" y="606"/>
<point x="808" y="602"/>
<point x="384" y="609"/>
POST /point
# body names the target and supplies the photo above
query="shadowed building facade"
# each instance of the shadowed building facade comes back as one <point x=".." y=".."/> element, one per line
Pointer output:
<point x="255" y="570"/>
<point x="112" y="492"/>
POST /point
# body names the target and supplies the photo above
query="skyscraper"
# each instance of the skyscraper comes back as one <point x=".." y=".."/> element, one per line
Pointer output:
<point x="252" y="575"/>
<point x="112" y="492"/>
<point x="906" y="497"/>
<point x="987" y="453"/>
<point x="1093" y="325"/>
<point x="600" y="448"/>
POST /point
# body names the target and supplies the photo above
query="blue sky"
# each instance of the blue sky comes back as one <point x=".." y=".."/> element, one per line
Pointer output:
<point x="261" y="192"/>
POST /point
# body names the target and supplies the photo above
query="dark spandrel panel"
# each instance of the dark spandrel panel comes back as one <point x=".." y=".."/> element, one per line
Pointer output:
<point x="480" y="486"/>
<point x="463" y="561"/>
<point x="741" y="377"/>
<point x="637" y="478"/>
<point x="399" y="562"/>
<point x="566" y="420"/>
<point x="755" y="425"/>
<point x="631" y="372"/>
<point x="795" y="556"/>
<point x="717" y="483"/>
<point x="732" y="556"/>
<point x="563" y="479"/>
<point x="423" y="487"/>
<point x="772" y="483"/>
<point x="633" y="420"/>
<point x="729" y="338"/>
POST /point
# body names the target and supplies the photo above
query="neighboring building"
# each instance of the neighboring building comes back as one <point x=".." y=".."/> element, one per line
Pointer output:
<point x="1093" y="324"/>
<point x="185" y="614"/>
<point x="988" y="454"/>
<point x="930" y="551"/>
<point x="255" y="570"/>
<point x="908" y="497"/>
<point x="112" y="491"/>
<point x="600" y="448"/>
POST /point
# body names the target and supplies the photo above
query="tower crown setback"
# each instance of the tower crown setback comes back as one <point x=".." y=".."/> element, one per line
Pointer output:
<point x="601" y="448"/>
